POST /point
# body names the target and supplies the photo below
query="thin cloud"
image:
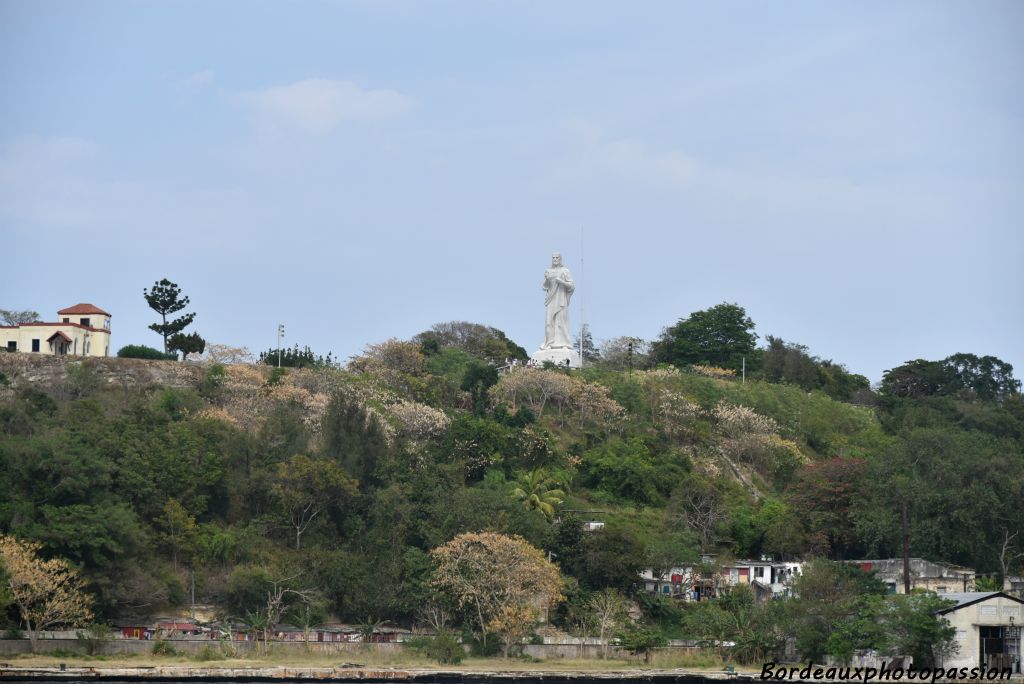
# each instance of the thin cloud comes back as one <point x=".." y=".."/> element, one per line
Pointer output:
<point x="317" y="106"/>
<point x="200" y="78"/>
<point x="54" y="186"/>
<point x="594" y="158"/>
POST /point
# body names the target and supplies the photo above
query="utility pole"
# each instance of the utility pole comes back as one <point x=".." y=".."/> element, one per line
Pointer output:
<point x="280" y="334"/>
<point x="744" y="370"/>
<point x="906" y="547"/>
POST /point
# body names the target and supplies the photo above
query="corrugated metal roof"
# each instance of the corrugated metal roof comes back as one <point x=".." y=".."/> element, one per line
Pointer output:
<point x="970" y="597"/>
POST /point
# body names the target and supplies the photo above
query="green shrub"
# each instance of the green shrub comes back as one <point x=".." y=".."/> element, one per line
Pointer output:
<point x="444" y="648"/>
<point x="141" y="351"/>
<point x="487" y="647"/>
<point x="93" y="637"/>
<point x="164" y="648"/>
<point x="276" y="376"/>
<point x="206" y="653"/>
<point x="211" y="384"/>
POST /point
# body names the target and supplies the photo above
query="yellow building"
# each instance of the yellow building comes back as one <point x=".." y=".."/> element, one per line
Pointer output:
<point x="83" y="330"/>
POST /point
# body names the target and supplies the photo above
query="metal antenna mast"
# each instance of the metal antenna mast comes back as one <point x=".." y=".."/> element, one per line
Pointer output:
<point x="583" y="324"/>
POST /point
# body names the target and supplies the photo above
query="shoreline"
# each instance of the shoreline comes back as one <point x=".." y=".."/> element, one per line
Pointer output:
<point x="279" y="673"/>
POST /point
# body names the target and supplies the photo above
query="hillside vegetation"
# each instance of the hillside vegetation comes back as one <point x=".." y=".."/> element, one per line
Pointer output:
<point x="341" y="482"/>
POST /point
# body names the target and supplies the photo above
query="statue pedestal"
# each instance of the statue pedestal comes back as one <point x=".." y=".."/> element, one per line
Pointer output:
<point x="557" y="356"/>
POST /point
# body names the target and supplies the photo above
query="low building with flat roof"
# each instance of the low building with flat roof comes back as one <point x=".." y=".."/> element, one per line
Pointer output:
<point x="988" y="630"/>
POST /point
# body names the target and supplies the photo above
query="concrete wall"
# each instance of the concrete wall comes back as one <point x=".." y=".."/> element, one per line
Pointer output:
<point x="191" y="646"/>
<point x="572" y="651"/>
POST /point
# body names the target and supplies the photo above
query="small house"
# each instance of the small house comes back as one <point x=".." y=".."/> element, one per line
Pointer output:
<point x="988" y="630"/>
<point x="81" y="330"/>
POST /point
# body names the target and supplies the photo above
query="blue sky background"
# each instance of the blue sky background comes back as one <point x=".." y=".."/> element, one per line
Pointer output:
<point x="851" y="173"/>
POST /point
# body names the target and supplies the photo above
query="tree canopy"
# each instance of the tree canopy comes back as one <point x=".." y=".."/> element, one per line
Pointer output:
<point x="721" y="336"/>
<point x="298" y="493"/>
<point x="165" y="298"/>
<point x="960" y="375"/>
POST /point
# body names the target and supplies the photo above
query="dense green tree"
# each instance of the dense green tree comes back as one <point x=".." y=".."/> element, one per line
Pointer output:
<point x="305" y="488"/>
<point x="165" y="298"/>
<point x="612" y="558"/>
<point x="959" y="375"/>
<point x="788" y="362"/>
<point x="247" y="589"/>
<point x="187" y="344"/>
<point x="141" y="351"/>
<point x="915" y="626"/>
<point x="943" y="475"/>
<point x="354" y="438"/>
<point x="629" y="470"/>
<point x="296" y="358"/>
<point x="828" y="596"/>
<point x="791" y="363"/>
<point x="721" y="336"/>
<point x="484" y="342"/>
<point x="477" y="379"/>
<point x="641" y="640"/>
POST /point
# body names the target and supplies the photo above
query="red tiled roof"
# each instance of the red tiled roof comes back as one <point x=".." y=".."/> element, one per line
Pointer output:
<point x="62" y="325"/>
<point x="82" y="309"/>
<point x="60" y="334"/>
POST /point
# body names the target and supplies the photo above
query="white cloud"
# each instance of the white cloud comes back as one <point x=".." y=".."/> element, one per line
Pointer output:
<point x="316" y="106"/>
<point x="594" y="158"/>
<point x="200" y="78"/>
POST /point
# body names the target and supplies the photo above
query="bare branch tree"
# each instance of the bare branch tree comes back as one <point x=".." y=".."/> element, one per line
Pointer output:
<point x="1008" y="556"/>
<point x="700" y="507"/>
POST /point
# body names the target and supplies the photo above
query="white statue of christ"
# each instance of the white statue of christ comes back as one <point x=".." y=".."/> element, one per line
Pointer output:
<point x="559" y="288"/>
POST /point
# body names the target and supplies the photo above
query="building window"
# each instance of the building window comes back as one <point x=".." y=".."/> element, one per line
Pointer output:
<point x="35" y="345"/>
<point x="67" y="320"/>
<point x="84" y="321"/>
<point x="12" y="346"/>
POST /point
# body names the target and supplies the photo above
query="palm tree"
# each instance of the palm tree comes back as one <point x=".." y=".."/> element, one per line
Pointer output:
<point x="260" y="624"/>
<point x="538" y="491"/>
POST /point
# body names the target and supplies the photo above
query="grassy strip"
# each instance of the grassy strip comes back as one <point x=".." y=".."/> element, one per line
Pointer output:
<point x="374" y="660"/>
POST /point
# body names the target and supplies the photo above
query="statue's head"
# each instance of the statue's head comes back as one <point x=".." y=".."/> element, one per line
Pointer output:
<point x="556" y="259"/>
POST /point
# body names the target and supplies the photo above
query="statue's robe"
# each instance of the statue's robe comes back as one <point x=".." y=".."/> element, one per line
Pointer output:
<point x="559" y="286"/>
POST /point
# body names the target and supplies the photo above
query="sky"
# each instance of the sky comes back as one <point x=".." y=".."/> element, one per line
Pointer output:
<point x="852" y="174"/>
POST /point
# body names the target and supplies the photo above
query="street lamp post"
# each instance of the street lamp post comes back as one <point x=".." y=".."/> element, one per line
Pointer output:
<point x="280" y="334"/>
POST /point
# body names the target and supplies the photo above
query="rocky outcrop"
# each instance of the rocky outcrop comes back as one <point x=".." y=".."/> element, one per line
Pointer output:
<point x="52" y="372"/>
